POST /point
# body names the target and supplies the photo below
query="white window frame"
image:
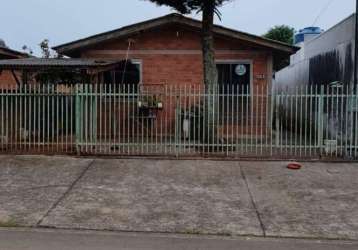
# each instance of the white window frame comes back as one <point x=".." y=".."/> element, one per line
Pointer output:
<point x="140" y="63"/>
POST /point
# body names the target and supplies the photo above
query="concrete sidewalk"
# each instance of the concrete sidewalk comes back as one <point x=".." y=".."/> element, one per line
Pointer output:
<point x="224" y="198"/>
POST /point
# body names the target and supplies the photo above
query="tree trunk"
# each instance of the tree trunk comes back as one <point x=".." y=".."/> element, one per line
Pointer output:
<point x="210" y="72"/>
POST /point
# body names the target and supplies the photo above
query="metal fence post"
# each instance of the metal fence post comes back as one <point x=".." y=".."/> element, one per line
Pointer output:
<point x="78" y="114"/>
<point x="320" y="118"/>
<point x="177" y="126"/>
<point x="277" y="119"/>
<point x="94" y="114"/>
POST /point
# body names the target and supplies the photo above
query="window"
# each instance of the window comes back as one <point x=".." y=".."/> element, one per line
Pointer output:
<point x="234" y="80"/>
<point x="129" y="74"/>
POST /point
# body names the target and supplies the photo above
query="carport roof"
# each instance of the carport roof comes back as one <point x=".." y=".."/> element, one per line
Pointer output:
<point x="41" y="63"/>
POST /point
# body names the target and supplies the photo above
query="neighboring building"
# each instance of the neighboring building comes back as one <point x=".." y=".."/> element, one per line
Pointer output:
<point x="323" y="58"/>
<point x="8" y="78"/>
<point x="325" y="66"/>
<point x="7" y="53"/>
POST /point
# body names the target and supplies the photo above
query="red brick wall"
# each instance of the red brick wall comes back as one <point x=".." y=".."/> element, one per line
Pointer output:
<point x="173" y="55"/>
<point x="7" y="80"/>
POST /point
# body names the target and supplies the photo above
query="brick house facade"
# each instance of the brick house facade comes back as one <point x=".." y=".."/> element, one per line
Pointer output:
<point x="168" y="52"/>
<point x="172" y="55"/>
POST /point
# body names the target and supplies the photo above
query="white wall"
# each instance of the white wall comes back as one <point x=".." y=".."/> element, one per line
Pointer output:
<point x="338" y="38"/>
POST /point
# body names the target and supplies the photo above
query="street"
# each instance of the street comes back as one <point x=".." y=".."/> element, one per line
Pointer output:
<point x="41" y="239"/>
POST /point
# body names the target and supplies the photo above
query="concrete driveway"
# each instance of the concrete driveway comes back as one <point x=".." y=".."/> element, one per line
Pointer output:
<point x="320" y="201"/>
<point x="30" y="186"/>
<point x="179" y="196"/>
<point x="159" y="196"/>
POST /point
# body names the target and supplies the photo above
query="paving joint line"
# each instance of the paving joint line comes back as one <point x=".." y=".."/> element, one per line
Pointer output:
<point x="253" y="201"/>
<point x="62" y="197"/>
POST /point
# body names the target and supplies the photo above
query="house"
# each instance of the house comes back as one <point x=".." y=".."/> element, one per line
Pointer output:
<point x="7" y="53"/>
<point x="147" y="96"/>
<point x="167" y="52"/>
<point x="8" y="78"/>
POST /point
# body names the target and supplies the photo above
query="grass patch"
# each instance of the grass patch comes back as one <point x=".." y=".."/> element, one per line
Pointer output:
<point x="8" y="223"/>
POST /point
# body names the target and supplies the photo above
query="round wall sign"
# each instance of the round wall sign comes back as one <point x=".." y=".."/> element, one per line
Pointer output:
<point x="240" y="70"/>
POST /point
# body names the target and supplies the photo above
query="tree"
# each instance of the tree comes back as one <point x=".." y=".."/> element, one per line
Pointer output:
<point x="27" y="50"/>
<point x="281" y="33"/>
<point x="54" y="75"/>
<point x="208" y="8"/>
<point x="46" y="51"/>
<point x="45" y="48"/>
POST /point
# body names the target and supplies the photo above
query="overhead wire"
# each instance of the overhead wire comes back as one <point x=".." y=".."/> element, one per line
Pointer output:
<point x="322" y="11"/>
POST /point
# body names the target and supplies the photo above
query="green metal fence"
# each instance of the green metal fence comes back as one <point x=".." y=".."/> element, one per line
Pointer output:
<point x="166" y="120"/>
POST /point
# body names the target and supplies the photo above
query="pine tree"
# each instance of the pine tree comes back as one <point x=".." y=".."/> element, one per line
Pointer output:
<point x="209" y="9"/>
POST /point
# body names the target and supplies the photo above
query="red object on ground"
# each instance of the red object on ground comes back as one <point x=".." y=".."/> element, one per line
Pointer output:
<point x="294" y="166"/>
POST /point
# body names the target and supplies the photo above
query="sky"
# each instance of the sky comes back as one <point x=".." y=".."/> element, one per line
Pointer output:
<point x="28" y="22"/>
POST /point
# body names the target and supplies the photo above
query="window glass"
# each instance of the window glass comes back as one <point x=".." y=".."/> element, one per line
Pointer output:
<point x="234" y="74"/>
<point x="128" y="74"/>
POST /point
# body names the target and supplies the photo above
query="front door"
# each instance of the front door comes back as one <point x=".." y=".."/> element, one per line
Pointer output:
<point x="234" y="90"/>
